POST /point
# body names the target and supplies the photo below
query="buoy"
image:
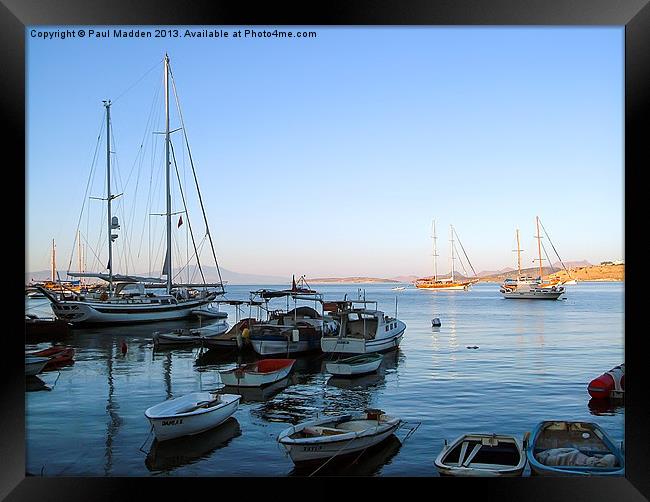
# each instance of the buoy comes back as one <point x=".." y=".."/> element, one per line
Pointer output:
<point x="124" y="348"/>
<point x="609" y="385"/>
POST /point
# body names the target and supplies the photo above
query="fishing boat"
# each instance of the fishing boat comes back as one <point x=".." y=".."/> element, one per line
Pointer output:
<point x="292" y="331"/>
<point x="450" y="283"/>
<point x="529" y="288"/>
<point x="482" y="455"/>
<point x="355" y="365"/>
<point x="190" y="414"/>
<point x="238" y="336"/>
<point x="57" y="355"/>
<point x="190" y="336"/>
<point x="609" y="385"/>
<point x="258" y="374"/>
<point x="563" y="448"/>
<point x="340" y="435"/>
<point x="361" y="329"/>
<point x="124" y="300"/>
<point x="34" y="365"/>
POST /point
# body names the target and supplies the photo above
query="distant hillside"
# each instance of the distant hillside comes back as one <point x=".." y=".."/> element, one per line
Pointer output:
<point x="344" y="280"/>
<point x="594" y="273"/>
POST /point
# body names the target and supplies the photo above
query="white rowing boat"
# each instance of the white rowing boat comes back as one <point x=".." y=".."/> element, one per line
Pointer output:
<point x="191" y="414"/>
<point x="356" y="365"/>
<point x="192" y="336"/>
<point x="337" y="436"/>
<point x="257" y="374"/>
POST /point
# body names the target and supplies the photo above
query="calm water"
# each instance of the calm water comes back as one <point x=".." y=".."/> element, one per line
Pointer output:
<point x="533" y="363"/>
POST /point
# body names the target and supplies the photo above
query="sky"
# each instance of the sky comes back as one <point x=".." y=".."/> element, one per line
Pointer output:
<point x="331" y="156"/>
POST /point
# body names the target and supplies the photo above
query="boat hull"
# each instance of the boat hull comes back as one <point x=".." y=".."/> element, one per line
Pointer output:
<point x="196" y="336"/>
<point x="506" y="446"/>
<point x="270" y="347"/>
<point x="172" y="425"/>
<point x="34" y="365"/>
<point x="309" y="450"/>
<point x="94" y="313"/>
<point x="236" y="378"/>
<point x="350" y="345"/>
<point x="532" y="295"/>
<point x="342" y="368"/>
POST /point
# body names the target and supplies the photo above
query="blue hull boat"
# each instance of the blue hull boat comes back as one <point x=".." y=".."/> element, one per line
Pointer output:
<point x="562" y="448"/>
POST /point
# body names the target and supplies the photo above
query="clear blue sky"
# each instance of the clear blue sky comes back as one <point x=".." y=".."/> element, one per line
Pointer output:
<point x="330" y="156"/>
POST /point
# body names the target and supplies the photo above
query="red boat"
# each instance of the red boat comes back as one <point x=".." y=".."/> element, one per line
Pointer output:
<point x="609" y="385"/>
<point x="59" y="356"/>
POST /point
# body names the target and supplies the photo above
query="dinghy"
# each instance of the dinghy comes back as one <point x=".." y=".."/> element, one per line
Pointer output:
<point x="190" y="414"/>
<point x="355" y="365"/>
<point x="435" y="322"/>
<point x="209" y="312"/>
<point x="482" y="455"/>
<point x="263" y="372"/>
<point x="34" y="365"/>
<point x="326" y="437"/>
<point x="57" y="356"/>
<point x="561" y="448"/>
<point x="609" y="385"/>
<point x="192" y="336"/>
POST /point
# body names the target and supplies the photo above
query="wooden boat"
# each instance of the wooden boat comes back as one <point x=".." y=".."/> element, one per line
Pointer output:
<point x="57" y="355"/>
<point x="323" y="438"/>
<point x="562" y="448"/>
<point x="482" y="455"/>
<point x="190" y="414"/>
<point x="192" y="336"/>
<point x="237" y="337"/>
<point x="447" y="284"/>
<point x="34" y="365"/>
<point x="355" y="365"/>
<point x="209" y="312"/>
<point x="263" y="372"/>
<point x="609" y="385"/>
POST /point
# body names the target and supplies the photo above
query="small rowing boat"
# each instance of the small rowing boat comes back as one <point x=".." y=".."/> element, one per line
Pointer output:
<point x="57" y="356"/>
<point x="355" y="365"/>
<point x="264" y="372"/>
<point x="341" y="435"/>
<point x="482" y="455"/>
<point x="34" y="365"/>
<point x="209" y="312"/>
<point x="190" y="414"/>
<point x="609" y="385"/>
<point x="192" y="336"/>
<point x="573" y="449"/>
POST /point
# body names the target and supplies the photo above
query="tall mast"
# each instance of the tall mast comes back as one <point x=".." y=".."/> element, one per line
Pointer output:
<point x="435" y="263"/>
<point x="53" y="271"/>
<point x="79" y="258"/>
<point x="518" y="254"/>
<point x="539" y="247"/>
<point x="109" y="197"/>
<point x="168" y="264"/>
<point x="451" y="231"/>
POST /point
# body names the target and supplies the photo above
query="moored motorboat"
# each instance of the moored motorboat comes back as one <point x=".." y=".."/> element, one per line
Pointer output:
<point x="563" y="448"/>
<point x="361" y="330"/>
<point x="257" y="374"/>
<point x="355" y="365"/>
<point x="190" y="414"/>
<point x="57" y="356"/>
<point x="609" y="385"/>
<point x="340" y="435"/>
<point x="482" y="455"/>
<point x="34" y="365"/>
<point x="192" y="336"/>
<point x="435" y="322"/>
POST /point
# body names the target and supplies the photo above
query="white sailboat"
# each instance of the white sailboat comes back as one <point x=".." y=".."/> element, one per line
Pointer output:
<point x="125" y="299"/>
<point x="529" y="288"/>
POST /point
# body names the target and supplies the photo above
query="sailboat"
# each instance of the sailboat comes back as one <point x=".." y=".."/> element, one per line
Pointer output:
<point x="125" y="299"/>
<point x="529" y="288"/>
<point x="448" y="283"/>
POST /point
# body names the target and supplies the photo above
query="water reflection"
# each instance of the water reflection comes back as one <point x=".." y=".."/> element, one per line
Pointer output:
<point x="258" y="394"/>
<point x="168" y="455"/>
<point x="366" y="463"/>
<point x="605" y="407"/>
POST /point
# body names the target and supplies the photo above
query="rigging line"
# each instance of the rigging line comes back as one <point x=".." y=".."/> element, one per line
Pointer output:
<point x="461" y="262"/>
<point x="189" y="154"/>
<point x="157" y="65"/>
<point x="180" y="188"/>
<point x="551" y="242"/>
<point x="466" y="257"/>
<point x="90" y="176"/>
<point x="548" y="259"/>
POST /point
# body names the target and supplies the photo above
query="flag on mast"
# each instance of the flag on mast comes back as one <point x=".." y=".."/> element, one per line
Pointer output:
<point x="180" y="221"/>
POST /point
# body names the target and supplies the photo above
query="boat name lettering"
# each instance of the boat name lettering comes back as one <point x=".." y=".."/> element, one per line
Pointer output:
<point x="176" y="421"/>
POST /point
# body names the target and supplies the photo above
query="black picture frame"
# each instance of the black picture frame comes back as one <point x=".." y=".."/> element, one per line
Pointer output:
<point x="15" y="15"/>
